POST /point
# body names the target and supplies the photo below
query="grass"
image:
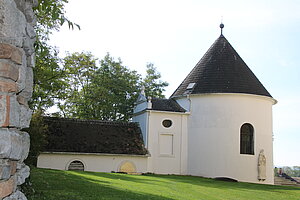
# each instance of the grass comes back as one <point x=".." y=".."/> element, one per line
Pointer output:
<point x="71" y="185"/>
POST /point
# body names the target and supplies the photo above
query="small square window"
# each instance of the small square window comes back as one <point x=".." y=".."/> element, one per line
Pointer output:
<point x="190" y="86"/>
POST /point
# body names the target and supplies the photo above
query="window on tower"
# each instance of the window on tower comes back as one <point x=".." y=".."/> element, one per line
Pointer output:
<point x="247" y="139"/>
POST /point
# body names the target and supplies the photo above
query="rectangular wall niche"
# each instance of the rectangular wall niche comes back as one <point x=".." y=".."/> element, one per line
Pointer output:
<point x="166" y="144"/>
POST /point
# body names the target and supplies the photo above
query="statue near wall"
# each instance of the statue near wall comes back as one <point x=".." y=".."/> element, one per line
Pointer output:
<point x="262" y="166"/>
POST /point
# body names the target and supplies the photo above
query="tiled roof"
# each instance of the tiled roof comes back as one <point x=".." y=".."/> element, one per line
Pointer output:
<point x="92" y="136"/>
<point x="221" y="70"/>
<point x="166" y="105"/>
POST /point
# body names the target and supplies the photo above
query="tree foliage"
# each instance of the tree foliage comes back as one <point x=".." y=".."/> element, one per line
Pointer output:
<point x="51" y="16"/>
<point x="48" y="83"/>
<point x="115" y="88"/>
<point x="292" y="171"/>
<point x="154" y="87"/>
<point x="48" y="74"/>
<point x="38" y="137"/>
<point x="104" y="90"/>
<point x="79" y="70"/>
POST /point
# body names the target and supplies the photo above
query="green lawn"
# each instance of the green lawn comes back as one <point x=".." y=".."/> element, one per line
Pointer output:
<point x="70" y="185"/>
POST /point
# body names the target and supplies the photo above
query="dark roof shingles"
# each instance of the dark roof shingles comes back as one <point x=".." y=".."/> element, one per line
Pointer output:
<point x="92" y="136"/>
<point x="166" y="105"/>
<point x="221" y="70"/>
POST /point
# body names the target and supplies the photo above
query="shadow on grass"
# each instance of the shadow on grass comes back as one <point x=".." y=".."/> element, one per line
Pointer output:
<point x="62" y="185"/>
<point x="194" y="180"/>
<point x="70" y="185"/>
<point x="118" y="176"/>
<point x="208" y="182"/>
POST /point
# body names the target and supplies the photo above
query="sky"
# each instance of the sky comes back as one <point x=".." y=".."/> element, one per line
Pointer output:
<point x="175" y="34"/>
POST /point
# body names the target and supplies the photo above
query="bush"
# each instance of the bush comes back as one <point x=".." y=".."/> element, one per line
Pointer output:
<point x="38" y="137"/>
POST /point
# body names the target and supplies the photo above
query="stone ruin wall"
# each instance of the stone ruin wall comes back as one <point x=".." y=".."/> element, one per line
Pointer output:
<point x="17" y="36"/>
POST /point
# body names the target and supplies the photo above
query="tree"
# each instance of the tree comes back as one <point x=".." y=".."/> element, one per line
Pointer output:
<point x="154" y="87"/>
<point x="38" y="132"/>
<point x="105" y="92"/>
<point x="51" y="16"/>
<point x="48" y="74"/>
<point x="116" y="89"/>
<point x="292" y="171"/>
<point x="48" y="82"/>
<point x="79" y="70"/>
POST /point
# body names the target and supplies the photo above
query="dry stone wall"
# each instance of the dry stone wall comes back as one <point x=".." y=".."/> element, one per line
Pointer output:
<point x="17" y="37"/>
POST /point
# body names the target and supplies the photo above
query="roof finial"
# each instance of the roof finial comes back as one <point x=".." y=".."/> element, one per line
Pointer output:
<point x="222" y="25"/>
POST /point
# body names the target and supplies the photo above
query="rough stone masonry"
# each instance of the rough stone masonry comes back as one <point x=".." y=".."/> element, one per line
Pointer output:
<point x="17" y="37"/>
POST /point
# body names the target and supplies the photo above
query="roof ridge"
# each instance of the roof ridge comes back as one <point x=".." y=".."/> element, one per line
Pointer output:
<point x="89" y="121"/>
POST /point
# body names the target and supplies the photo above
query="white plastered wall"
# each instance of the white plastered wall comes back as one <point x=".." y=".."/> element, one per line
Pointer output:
<point x="214" y="135"/>
<point x="142" y="119"/>
<point x="91" y="162"/>
<point x="161" y="160"/>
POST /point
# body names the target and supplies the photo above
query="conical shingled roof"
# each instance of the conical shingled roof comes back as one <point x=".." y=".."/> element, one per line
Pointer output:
<point x="221" y="70"/>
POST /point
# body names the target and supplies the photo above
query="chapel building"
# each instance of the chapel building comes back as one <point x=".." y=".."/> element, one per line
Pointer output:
<point x="217" y="124"/>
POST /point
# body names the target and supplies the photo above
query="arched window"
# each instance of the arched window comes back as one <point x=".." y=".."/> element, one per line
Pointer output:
<point x="247" y="139"/>
<point x="76" y="165"/>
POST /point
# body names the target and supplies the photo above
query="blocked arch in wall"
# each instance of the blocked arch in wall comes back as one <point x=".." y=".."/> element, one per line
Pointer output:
<point x="127" y="167"/>
<point x="75" y="165"/>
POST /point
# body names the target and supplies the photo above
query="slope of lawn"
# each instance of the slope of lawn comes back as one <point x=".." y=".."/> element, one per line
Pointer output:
<point x="71" y="185"/>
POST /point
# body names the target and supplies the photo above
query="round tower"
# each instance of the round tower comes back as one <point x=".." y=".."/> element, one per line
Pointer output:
<point x="230" y="119"/>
